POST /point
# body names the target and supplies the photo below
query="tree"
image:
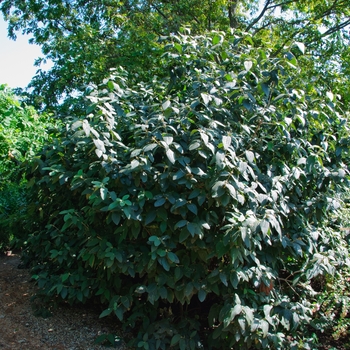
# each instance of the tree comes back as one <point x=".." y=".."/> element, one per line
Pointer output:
<point x="84" y="39"/>
<point x="197" y="206"/>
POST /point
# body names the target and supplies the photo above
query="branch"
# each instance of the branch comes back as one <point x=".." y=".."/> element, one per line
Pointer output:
<point x="259" y="17"/>
<point x="280" y="4"/>
<point x="275" y="21"/>
<point x="328" y="11"/>
<point x="336" y="28"/>
<point x="159" y="11"/>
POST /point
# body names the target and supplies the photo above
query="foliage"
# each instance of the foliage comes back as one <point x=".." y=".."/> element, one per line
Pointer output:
<point x="22" y="133"/>
<point x="194" y="207"/>
<point x="84" y="39"/>
<point x="331" y="309"/>
<point x="333" y="300"/>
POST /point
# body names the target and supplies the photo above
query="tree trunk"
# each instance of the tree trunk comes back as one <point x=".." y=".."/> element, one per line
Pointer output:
<point x="232" y="8"/>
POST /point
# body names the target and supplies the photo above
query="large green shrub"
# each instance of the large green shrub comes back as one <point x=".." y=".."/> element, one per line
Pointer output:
<point x="22" y="133"/>
<point x="194" y="208"/>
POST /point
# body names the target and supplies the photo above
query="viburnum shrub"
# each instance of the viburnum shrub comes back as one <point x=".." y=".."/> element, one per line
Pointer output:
<point x="194" y="207"/>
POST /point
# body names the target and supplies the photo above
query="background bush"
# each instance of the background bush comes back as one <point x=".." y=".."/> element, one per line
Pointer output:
<point x="22" y="133"/>
<point x="333" y="300"/>
<point x="195" y="207"/>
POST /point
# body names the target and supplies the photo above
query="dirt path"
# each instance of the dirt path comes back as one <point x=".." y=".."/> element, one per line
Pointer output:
<point x="68" y="328"/>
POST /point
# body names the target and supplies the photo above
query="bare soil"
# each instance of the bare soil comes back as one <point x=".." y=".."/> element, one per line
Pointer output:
<point x="69" y="328"/>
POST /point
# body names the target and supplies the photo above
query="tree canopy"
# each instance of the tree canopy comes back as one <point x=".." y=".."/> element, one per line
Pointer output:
<point x="84" y="39"/>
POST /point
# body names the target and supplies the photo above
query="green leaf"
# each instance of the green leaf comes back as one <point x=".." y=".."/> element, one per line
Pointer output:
<point x="182" y="344"/>
<point x="180" y="224"/>
<point x="163" y="226"/>
<point x="159" y="202"/>
<point x="175" y="339"/>
<point x="231" y="189"/>
<point x="218" y="189"/>
<point x="168" y="139"/>
<point x="248" y="65"/>
<point x="206" y="98"/>
<point x="171" y="156"/>
<point x="161" y="252"/>
<point x="220" y="159"/>
<point x="217" y="39"/>
<point x="105" y="312"/>
<point x="194" y="193"/>
<point x="64" y="292"/>
<point x="150" y="217"/>
<point x="202" y="295"/>
<point x="300" y="46"/>
<point x="265" y="227"/>
<point x="119" y="257"/>
<point x="64" y="277"/>
<point x="119" y="313"/>
<point x="226" y="142"/>
<point x="100" y="339"/>
<point x="184" y="234"/>
<point x="234" y="280"/>
<point x="173" y="257"/>
<point x="191" y="227"/>
<point x="116" y="218"/>
<point x="166" y="105"/>
<point x="264" y="326"/>
<point x="155" y="240"/>
<point x="150" y="147"/>
<point x="178" y="47"/>
<point x="194" y="145"/>
<point x="193" y="208"/>
<point x="179" y="175"/>
<point x="164" y="263"/>
<point x="250" y="156"/>
<point x="249" y="314"/>
<point x="103" y="192"/>
<point x="223" y="278"/>
<point x="206" y="225"/>
<point x="125" y="301"/>
<point x="237" y="309"/>
<point x="189" y="289"/>
<point x="221" y="249"/>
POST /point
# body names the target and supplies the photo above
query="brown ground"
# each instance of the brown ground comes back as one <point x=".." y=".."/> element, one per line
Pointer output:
<point x="69" y="328"/>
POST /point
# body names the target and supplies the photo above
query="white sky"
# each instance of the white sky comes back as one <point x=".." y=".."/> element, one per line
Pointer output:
<point x="16" y="58"/>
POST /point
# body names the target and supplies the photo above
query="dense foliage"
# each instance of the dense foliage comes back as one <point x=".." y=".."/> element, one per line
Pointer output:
<point x="195" y="206"/>
<point x="84" y="39"/>
<point x="193" y="198"/>
<point x="22" y="133"/>
<point x="333" y="300"/>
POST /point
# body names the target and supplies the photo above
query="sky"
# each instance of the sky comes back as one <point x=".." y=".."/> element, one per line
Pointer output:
<point x="16" y="58"/>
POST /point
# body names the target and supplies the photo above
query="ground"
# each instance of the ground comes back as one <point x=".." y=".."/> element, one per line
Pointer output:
<point x="69" y="328"/>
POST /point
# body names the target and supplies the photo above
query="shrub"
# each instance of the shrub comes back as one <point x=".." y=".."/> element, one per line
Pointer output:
<point x="22" y="132"/>
<point x="194" y="208"/>
<point x="332" y="303"/>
